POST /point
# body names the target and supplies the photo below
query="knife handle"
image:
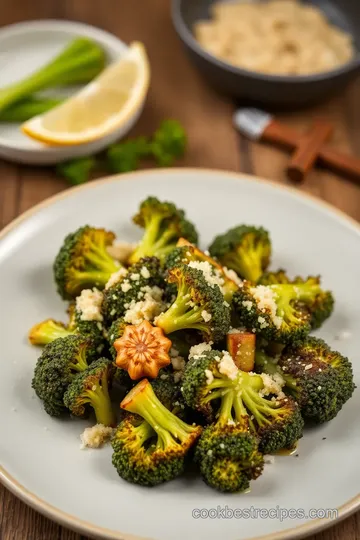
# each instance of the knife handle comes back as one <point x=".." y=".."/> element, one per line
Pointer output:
<point x="281" y="134"/>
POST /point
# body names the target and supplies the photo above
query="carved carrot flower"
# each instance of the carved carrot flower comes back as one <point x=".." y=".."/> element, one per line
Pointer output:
<point x="142" y="350"/>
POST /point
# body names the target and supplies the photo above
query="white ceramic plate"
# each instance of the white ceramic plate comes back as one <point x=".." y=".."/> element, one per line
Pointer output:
<point x="25" y="47"/>
<point x="40" y="457"/>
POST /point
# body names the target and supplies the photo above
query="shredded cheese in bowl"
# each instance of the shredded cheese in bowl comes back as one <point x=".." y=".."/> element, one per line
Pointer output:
<point x="279" y="37"/>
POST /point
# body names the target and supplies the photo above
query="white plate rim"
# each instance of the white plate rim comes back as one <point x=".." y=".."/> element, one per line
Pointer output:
<point x="85" y="527"/>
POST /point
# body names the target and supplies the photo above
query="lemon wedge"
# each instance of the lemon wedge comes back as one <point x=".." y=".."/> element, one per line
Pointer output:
<point x="104" y="105"/>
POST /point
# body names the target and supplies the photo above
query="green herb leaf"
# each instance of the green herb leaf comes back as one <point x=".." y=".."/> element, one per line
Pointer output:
<point x="125" y="156"/>
<point x="77" y="171"/>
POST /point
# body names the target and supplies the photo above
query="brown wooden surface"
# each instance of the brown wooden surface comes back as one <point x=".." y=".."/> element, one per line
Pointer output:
<point x="176" y="91"/>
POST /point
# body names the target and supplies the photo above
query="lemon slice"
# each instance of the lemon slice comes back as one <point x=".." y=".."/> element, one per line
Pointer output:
<point x="104" y="105"/>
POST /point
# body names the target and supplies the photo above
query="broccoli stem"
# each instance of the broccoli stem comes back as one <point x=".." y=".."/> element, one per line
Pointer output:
<point x="47" y="331"/>
<point x="221" y="386"/>
<point x="99" y="399"/>
<point x="225" y="411"/>
<point x="146" y="246"/>
<point x="144" y="432"/>
<point x="82" y="279"/>
<point x="79" y="364"/>
<point x="180" y="316"/>
<point x="162" y="421"/>
<point x="256" y="404"/>
<point x="99" y="258"/>
<point x="239" y="408"/>
<point x="163" y="244"/>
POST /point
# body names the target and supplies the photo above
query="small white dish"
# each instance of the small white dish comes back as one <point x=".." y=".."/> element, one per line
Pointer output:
<point x="25" y="47"/>
<point x="40" y="458"/>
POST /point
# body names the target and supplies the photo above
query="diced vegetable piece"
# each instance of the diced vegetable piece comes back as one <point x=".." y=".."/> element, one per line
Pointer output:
<point x="241" y="346"/>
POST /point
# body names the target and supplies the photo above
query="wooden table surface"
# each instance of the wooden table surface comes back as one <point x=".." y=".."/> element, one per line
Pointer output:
<point x="176" y="91"/>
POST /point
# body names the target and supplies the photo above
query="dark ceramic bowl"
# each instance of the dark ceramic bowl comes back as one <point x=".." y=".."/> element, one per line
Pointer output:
<point x="273" y="90"/>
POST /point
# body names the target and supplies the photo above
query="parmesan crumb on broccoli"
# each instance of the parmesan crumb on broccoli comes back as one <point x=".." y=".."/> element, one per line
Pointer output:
<point x="227" y="366"/>
<point x="116" y="277"/>
<point x="146" y="309"/>
<point x="212" y="276"/>
<point x="273" y="384"/>
<point x="89" y="305"/>
<point x="198" y="350"/>
<point x="231" y="274"/>
<point x="265" y="299"/>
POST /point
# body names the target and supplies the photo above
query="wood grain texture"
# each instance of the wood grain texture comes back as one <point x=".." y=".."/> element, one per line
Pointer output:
<point x="176" y="91"/>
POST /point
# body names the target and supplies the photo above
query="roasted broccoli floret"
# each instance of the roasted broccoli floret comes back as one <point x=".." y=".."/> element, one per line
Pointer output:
<point x="323" y="303"/>
<point x="282" y="313"/>
<point x="198" y="306"/>
<point x="164" y="224"/>
<point x="56" y="368"/>
<point x="151" y="448"/>
<point x="274" y="278"/>
<point x="184" y="254"/>
<point x="47" y="331"/>
<point x="90" y="389"/>
<point x="83" y="261"/>
<point x="320" y="379"/>
<point x="92" y="329"/>
<point x="132" y="287"/>
<point x="277" y="422"/>
<point x="245" y="249"/>
<point x="228" y="453"/>
<point x="115" y="332"/>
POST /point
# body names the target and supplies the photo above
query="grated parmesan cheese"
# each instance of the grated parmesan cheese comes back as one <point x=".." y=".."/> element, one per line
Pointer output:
<point x="231" y="274"/>
<point x="121" y="251"/>
<point x="273" y="384"/>
<point x="95" y="436"/>
<point x="227" y="366"/>
<point x="126" y="286"/>
<point x="212" y="275"/>
<point x="197" y="351"/>
<point x="209" y="376"/>
<point x="147" y="309"/>
<point x="145" y="272"/>
<point x="89" y="305"/>
<point x="178" y="363"/>
<point x="237" y="330"/>
<point x="155" y="292"/>
<point x="178" y="376"/>
<point x="116" y="277"/>
<point x="265" y="299"/>
<point x="205" y="315"/>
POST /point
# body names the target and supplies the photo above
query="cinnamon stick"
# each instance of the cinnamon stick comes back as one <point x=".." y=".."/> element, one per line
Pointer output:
<point x="308" y="150"/>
